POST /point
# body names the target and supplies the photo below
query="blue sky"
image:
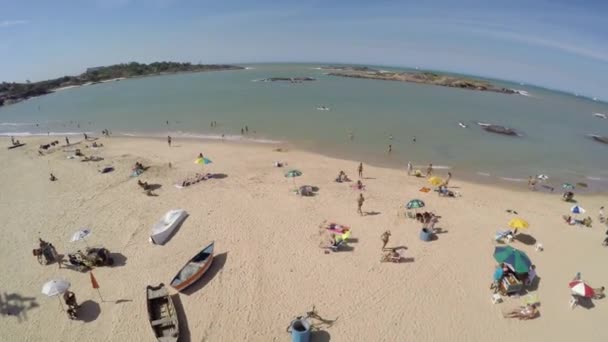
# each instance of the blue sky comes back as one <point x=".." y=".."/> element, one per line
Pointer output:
<point x="558" y="44"/>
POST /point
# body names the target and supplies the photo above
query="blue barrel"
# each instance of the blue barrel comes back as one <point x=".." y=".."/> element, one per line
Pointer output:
<point x="300" y="330"/>
<point x="426" y="235"/>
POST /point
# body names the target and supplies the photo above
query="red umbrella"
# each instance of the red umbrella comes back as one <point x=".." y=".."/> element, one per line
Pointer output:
<point x="581" y="289"/>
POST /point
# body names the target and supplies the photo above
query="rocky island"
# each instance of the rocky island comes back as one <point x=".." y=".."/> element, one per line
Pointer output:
<point x="15" y="92"/>
<point x="288" y="79"/>
<point x="417" y="77"/>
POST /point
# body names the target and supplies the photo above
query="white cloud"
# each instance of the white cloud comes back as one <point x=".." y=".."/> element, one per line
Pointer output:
<point x="7" y="23"/>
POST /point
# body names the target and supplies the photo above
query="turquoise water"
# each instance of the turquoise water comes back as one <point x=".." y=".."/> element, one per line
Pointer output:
<point x="554" y="125"/>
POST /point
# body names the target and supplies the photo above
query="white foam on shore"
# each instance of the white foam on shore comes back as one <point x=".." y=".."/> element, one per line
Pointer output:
<point x="249" y="68"/>
<point x="485" y="174"/>
<point x="594" y="178"/>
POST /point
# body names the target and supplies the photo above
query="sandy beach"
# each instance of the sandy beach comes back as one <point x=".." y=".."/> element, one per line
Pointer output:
<point x="269" y="267"/>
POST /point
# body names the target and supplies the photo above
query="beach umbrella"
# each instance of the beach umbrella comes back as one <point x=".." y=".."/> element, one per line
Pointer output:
<point x="415" y="204"/>
<point x="577" y="210"/>
<point x="517" y="259"/>
<point x="580" y="288"/>
<point x="81" y="234"/>
<point x="203" y="161"/>
<point x="518" y="223"/>
<point x="567" y="186"/>
<point x="435" y="181"/>
<point x="55" y="288"/>
<point x="293" y="174"/>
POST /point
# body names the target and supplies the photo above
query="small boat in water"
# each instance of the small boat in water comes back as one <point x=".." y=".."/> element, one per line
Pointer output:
<point x="161" y="313"/>
<point x="194" y="269"/>
<point x="598" y="138"/>
<point x="161" y="231"/>
<point x="462" y="125"/>
<point x="322" y="108"/>
<point x="600" y="115"/>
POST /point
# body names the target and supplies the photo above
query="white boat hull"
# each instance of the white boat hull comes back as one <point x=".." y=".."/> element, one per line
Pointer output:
<point x="162" y="230"/>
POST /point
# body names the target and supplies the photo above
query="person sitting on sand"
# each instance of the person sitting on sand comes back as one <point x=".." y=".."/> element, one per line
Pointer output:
<point x="359" y="185"/>
<point x="279" y="164"/>
<point x="599" y="293"/>
<point x="385" y="237"/>
<point x="529" y="311"/>
<point x="70" y="299"/>
<point x="569" y="220"/>
<point x="144" y="185"/>
<point x="78" y="153"/>
<point x="391" y="256"/>
<point x="95" y="144"/>
<point x="52" y="178"/>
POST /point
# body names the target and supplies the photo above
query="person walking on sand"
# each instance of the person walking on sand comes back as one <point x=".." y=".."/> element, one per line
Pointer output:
<point x="410" y="168"/>
<point x="67" y="141"/>
<point x="360" y="201"/>
<point x="429" y="170"/>
<point x="447" y="181"/>
<point x="385" y="237"/>
<point x="169" y="140"/>
<point x="360" y="169"/>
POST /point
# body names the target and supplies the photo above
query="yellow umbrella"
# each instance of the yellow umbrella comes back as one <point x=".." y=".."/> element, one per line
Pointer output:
<point x="518" y="223"/>
<point x="435" y="181"/>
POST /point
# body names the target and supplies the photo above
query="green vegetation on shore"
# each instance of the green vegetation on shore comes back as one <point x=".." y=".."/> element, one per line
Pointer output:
<point x="15" y="92"/>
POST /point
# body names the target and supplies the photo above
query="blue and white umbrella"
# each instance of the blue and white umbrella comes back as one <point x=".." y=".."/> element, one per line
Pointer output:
<point x="577" y="210"/>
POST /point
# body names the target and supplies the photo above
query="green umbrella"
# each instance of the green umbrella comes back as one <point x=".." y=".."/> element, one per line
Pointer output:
<point x="414" y="204"/>
<point x="293" y="174"/>
<point x="518" y="260"/>
<point x="568" y="186"/>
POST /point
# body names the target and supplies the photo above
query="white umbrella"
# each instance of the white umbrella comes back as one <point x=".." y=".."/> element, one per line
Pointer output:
<point x="81" y="235"/>
<point x="54" y="288"/>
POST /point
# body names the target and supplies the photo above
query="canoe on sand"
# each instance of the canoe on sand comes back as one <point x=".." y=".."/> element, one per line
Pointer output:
<point x="194" y="269"/>
<point x="162" y="314"/>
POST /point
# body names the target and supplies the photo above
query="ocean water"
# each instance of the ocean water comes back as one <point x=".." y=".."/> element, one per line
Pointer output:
<point x="554" y="125"/>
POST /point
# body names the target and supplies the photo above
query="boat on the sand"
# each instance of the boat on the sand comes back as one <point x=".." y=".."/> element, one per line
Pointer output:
<point x="194" y="269"/>
<point x="161" y="313"/>
<point x="161" y="231"/>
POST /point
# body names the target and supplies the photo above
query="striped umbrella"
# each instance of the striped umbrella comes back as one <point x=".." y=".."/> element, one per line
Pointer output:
<point x="577" y="210"/>
<point x="518" y="260"/>
<point x="580" y="288"/>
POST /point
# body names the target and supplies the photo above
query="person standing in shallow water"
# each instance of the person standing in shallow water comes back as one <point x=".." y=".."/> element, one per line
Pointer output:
<point x="390" y="149"/>
<point x="360" y="170"/>
<point x="169" y="140"/>
<point x="67" y="141"/>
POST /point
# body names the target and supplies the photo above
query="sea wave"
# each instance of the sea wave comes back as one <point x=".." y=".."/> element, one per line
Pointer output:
<point x="37" y="134"/>
<point x="15" y="124"/>
<point x="509" y="179"/>
<point x="187" y="135"/>
<point x="485" y="174"/>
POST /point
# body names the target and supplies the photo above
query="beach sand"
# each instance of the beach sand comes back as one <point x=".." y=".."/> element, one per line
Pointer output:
<point x="268" y="266"/>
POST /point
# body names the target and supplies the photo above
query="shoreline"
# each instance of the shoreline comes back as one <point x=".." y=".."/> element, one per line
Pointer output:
<point x="511" y="184"/>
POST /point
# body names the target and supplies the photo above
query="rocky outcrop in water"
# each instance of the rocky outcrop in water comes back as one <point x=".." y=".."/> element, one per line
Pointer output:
<point x="419" y="77"/>
<point x="288" y="79"/>
<point x="498" y="129"/>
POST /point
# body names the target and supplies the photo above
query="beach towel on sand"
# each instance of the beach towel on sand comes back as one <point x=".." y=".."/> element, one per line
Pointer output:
<point x="424" y="189"/>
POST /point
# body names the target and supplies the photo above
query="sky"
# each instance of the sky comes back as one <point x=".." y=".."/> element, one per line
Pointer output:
<point x="558" y="44"/>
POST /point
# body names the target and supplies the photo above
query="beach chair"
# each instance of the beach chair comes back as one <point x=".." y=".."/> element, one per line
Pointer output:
<point x="503" y="234"/>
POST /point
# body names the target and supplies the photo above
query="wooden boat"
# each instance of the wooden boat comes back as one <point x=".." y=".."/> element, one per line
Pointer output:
<point x="161" y="231"/>
<point x="162" y="314"/>
<point x="194" y="269"/>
